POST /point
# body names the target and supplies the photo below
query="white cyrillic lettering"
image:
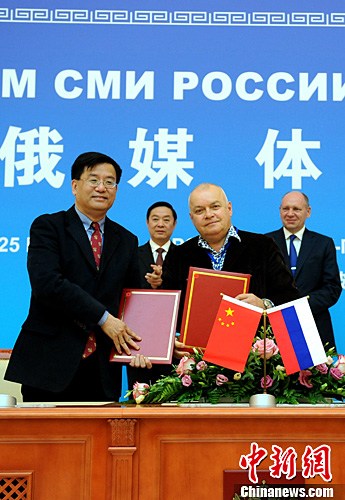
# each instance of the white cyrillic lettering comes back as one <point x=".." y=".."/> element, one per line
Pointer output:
<point x="241" y="86"/>
<point x="319" y="84"/>
<point x="146" y="82"/>
<point x="95" y="81"/>
<point x="338" y="87"/>
<point x="184" y="80"/>
<point x="225" y="86"/>
<point x="272" y="86"/>
<point x="26" y="83"/>
<point x="60" y="84"/>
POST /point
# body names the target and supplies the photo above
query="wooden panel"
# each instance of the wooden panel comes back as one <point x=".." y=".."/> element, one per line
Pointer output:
<point x="59" y="465"/>
<point x="198" y="451"/>
<point x="61" y="455"/>
<point x="154" y="453"/>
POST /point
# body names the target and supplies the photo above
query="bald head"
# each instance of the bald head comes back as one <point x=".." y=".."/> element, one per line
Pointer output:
<point x="210" y="212"/>
<point x="205" y="186"/>
<point x="294" y="210"/>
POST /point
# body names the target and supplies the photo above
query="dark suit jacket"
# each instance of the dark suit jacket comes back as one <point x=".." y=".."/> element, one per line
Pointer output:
<point x="256" y="254"/>
<point x="69" y="296"/>
<point x="150" y="376"/>
<point x="145" y="261"/>
<point x="317" y="275"/>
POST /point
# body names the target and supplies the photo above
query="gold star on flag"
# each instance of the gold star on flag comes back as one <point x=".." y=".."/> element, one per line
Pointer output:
<point x="229" y="312"/>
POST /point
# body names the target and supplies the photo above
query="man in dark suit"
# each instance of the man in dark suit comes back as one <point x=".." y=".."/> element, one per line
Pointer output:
<point x="161" y="219"/>
<point x="316" y="272"/>
<point x="62" y="352"/>
<point x="221" y="246"/>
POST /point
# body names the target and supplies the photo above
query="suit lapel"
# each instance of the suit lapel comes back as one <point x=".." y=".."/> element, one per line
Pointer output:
<point x="235" y="253"/>
<point x="281" y="242"/>
<point x="146" y="255"/>
<point x="110" y="242"/>
<point x="77" y="231"/>
<point x="306" y="247"/>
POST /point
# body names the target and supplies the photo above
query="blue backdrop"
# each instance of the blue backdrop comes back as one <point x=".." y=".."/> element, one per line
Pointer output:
<point x="246" y="94"/>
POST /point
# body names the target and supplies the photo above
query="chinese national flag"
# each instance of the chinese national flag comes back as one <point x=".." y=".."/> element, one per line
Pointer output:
<point x="232" y="334"/>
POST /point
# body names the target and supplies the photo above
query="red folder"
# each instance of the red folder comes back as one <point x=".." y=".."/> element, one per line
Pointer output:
<point x="204" y="288"/>
<point x="151" y="314"/>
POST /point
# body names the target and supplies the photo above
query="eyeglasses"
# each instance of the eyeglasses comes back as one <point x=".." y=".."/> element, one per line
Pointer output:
<point x="107" y="183"/>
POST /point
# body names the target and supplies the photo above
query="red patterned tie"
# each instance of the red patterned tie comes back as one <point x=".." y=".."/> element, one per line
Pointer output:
<point x="96" y="245"/>
<point x="159" y="261"/>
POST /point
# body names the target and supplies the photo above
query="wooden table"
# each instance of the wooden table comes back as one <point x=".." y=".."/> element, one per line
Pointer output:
<point x="150" y="453"/>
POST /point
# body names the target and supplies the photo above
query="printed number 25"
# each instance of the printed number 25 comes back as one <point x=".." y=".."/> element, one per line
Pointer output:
<point x="9" y="245"/>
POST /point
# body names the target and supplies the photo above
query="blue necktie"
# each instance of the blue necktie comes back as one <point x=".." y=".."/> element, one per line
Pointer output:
<point x="293" y="255"/>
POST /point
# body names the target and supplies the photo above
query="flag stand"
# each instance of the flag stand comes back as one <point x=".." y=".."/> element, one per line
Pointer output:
<point x="263" y="400"/>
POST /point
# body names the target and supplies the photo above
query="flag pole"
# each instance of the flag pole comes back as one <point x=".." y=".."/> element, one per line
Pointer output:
<point x="263" y="400"/>
<point x="265" y="336"/>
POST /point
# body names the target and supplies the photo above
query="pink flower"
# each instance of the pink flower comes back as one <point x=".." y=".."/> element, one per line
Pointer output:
<point x="221" y="379"/>
<point x="336" y="373"/>
<point x="186" y="380"/>
<point x="322" y="368"/>
<point x="269" y="381"/>
<point x="303" y="378"/>
<point x="185" y="365"/>
<point x="340" y="363"/>
<point x="139" y="391"/>
<point x="271" y="348"/>
<point x="201" y="366"/>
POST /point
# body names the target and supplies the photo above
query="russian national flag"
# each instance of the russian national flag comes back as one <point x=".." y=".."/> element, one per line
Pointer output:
<point x="297" y="336"/>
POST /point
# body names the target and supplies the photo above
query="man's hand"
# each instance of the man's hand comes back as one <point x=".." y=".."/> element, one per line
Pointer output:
<point x="122" y="336"/>
<point x="154" y="278"/>
<point x="140" y="361"/>
<point x="251" y="299"/>
<point x="178" y="353"/>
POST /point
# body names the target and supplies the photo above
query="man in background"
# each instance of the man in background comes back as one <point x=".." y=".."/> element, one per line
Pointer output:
<point x="312" y="260"/>
<point x="161" y="219"/>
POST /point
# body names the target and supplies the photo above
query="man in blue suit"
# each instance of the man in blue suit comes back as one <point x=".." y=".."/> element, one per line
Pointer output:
<point x="62" y="352"/>
<point x="316" y="271"/>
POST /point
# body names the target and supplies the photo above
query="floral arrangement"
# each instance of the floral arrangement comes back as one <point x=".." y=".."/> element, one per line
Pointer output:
<point x="193" y="379"/>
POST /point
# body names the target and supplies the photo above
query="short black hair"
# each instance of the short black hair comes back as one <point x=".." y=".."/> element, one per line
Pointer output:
<point x="161" y="204"/>
<point x="89" y="160"/>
